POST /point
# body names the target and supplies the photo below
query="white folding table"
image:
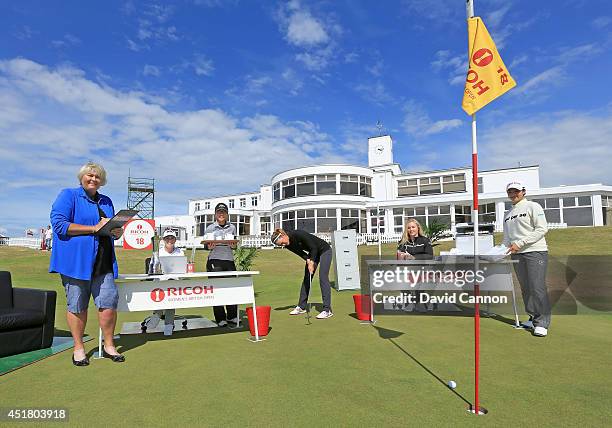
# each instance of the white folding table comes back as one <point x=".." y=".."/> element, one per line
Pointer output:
<point x="143" y="292"/>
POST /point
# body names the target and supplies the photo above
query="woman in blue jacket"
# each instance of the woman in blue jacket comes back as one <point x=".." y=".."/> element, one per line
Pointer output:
<point x="85" y="260"/>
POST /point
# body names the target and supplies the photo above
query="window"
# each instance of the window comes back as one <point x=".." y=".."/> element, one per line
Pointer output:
<point x="242" y="202"/>
<point x="398" y="220"/>
<point x="349" y="185"/>
<point x="254" y="200"/>
<point x="463" y="213"/>
<point x="486" y="213"/>
<point x="377" y="221"/>
<point x="305" y="185"/>
<point x="578" y="211"/>
<point x="197" y="206"/>
<point x="480" y="185"/>
<point x="231" y="203"/>
<point x="202" y="221"/>
<point x="277" y="221"/>
<point x="288" y="220"/>
<point x="206" y="205"/>
<point x="276" y="192"/>
<point x="441" y="214"/>
<point x="365" y="186"/>
<point x="407" y="188"/>
<point x="349" y="219"/>
<point x="363" y="221"/>
<point x="288" y="188"/>
<point x="551" y="209"/>
<point x="242" y="223"/>
<point x="430" y="186"/>
<point x="326" y="185"/>
<point x="569" y="202"/>
<point x="326" y="220"/>
<point x="306" y="220"/>
<point x="606" y="209"/>
<point x="453" y="183"/>
<point x="265" y="228"/>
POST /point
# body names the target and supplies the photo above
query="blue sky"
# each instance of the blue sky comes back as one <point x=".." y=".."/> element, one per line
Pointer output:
<point x="211" y="97"/>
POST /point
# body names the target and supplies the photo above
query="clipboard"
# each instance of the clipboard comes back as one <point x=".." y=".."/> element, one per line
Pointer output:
<point x="118" y="220"/>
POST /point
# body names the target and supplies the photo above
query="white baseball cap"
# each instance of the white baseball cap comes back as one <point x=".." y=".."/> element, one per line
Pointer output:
<point x="515" y="185"/>
<point x="169" y="232"/>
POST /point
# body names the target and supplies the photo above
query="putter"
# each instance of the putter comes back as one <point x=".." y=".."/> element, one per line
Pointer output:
<point x="308" y="297"/>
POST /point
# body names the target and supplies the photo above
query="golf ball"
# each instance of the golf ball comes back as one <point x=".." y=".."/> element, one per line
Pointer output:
<point x="452" y="384"/>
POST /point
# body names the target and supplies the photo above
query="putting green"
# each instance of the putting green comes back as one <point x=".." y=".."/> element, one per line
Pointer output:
<point x="335" y="372"/>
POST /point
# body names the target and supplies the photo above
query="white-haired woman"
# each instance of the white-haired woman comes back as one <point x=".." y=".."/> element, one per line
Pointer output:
<point x="85" y="260"/>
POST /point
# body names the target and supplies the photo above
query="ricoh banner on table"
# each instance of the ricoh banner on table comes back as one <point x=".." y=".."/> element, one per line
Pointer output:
<point x="184" y="293"/>
<point x="444" y="274"/>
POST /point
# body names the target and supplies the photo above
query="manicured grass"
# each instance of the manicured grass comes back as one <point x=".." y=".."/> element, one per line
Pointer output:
<point x="334" y="372"/>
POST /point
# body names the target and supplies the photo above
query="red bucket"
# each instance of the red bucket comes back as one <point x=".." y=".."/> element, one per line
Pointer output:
<point x="190" y="268"/>
<point x="263" y="320"/>
<point x="362" y="306"/>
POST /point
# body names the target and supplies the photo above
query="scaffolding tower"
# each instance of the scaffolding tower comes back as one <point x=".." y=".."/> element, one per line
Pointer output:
<point x="141" y="196"/>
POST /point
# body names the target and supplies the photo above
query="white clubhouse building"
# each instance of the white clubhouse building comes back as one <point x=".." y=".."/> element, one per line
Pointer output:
<point x="324" y="198"/>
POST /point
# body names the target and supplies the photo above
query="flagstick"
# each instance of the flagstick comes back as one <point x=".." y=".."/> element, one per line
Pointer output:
<point x="476" y="410"/>
<point x="476" y="266"/>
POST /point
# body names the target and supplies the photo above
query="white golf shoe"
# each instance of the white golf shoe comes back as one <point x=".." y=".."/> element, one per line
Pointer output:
<point x="325" y="314"/>
<point x="540" y="331"/>
<point x="297" y="311"/>
<point x="222" y="323"/>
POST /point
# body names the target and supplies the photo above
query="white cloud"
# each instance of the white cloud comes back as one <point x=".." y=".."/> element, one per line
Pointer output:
<point x="543" y="81"/>
<point x="376" y="93"/>
<point x="570" y="147"/>
<point x="304" y="30"/>
<point x="555" y="76"/>
<point x="67" y="40"/>
<point x="151" y="70"/>
<point x="376" y="68"/>
<point x="293" y="80"/>
<point x="602" y="22"/>
<point x="59" y="115"/>
<point x="518" y="61"/>
<point x="316" y="60"/>
<point x="456" y="65"/>
<point x="312" y="35"/>
<point x="418" y="123"/>
<point x="25" y="33"/>
<point x="200" y="64"/>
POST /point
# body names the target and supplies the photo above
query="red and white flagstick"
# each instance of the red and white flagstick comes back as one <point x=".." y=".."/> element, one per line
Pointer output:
<point x="476" y="406"/>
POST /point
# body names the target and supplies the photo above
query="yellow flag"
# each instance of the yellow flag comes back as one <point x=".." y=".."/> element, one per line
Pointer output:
<point x="487" y="77"/>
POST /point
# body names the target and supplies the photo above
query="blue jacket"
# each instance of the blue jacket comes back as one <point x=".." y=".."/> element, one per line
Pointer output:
<point x="75" y="256"/>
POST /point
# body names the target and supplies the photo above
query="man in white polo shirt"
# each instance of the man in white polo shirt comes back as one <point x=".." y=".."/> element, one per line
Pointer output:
<point x="524" y="229"/>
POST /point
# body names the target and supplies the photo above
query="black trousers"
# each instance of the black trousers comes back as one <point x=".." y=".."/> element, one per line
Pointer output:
<point x="219" y="311"/>
<point x="323" y="266"/>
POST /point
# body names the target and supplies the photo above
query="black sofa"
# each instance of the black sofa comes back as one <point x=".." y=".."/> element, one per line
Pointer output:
<point x="27" y="317"/>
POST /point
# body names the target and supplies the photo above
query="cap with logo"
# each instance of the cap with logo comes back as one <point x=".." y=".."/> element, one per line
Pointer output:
<point x="515" y="185"/>
<point x="169" y="232"/>
<point x="221" y="207"/>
